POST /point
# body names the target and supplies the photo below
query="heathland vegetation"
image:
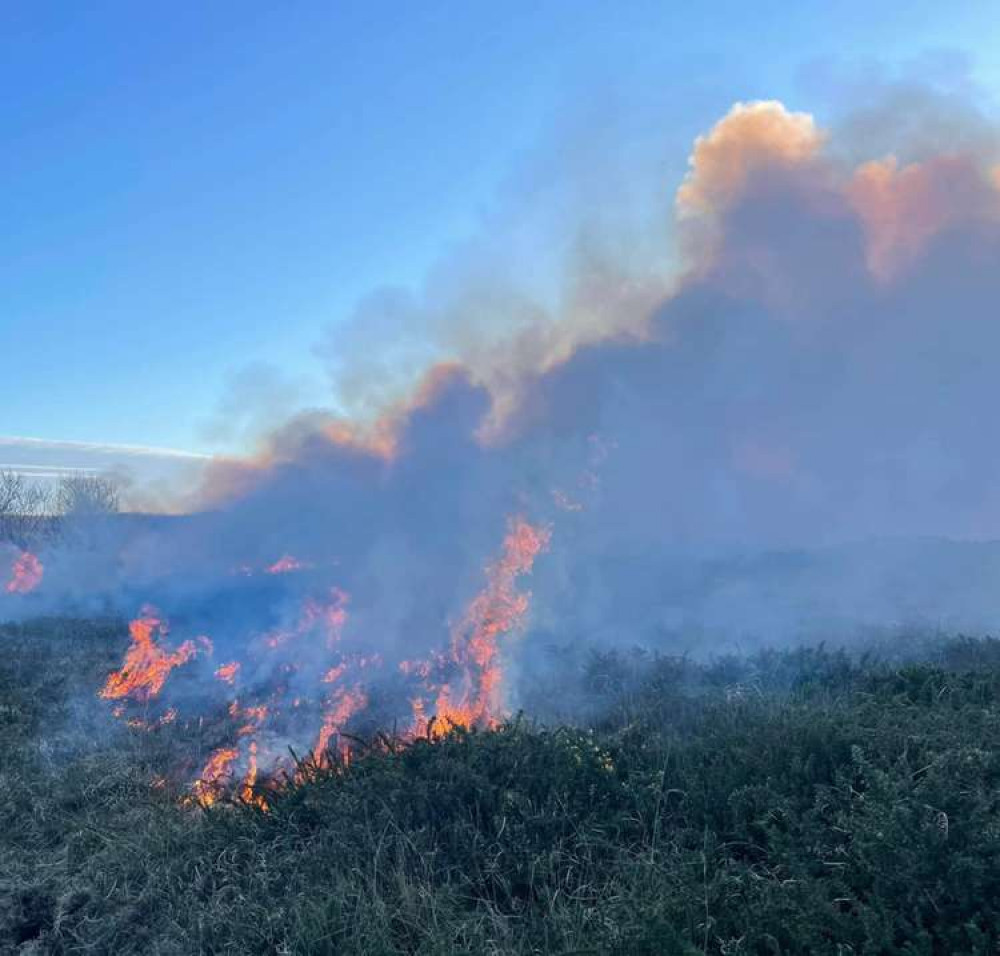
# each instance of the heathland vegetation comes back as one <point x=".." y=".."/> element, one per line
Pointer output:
<point x="794" y="802"/>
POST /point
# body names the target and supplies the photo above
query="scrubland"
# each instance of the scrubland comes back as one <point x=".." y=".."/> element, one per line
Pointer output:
<point x="795" y="802"/>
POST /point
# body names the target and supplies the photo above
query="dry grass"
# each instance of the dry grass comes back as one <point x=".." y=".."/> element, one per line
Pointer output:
<point x="795" y="803"/>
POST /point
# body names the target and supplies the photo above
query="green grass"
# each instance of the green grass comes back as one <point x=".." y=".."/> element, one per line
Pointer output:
<point x="799" y="802"/>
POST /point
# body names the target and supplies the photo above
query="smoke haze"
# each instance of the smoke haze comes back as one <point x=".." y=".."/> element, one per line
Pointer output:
<point x="767" y="435"/>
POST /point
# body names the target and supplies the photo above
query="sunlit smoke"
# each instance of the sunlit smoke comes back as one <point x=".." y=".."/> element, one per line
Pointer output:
<point x="754" y="441"/>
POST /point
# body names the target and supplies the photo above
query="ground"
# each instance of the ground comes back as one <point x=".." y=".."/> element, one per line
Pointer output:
<point x="796" y="802"/>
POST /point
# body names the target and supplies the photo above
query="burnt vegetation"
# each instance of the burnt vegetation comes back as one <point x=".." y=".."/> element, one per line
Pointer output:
<point x="804" y="801"/>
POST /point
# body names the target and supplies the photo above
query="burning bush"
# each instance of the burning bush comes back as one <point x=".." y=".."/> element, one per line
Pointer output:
<point x="302" y="685"/>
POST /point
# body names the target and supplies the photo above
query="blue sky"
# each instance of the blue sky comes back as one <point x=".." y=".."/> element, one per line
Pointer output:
<point x="191" y="188"/>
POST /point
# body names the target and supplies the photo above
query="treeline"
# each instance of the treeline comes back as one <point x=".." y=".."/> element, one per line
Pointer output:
<point x="34" y="511"/>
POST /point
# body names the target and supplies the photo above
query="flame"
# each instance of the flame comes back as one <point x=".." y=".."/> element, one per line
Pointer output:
<point x="256" y="716"/>
<point x="227" y="672"/>
<point x="147" y="665"/>
<point x="286" y="565"/>
<point x="251" y="778"/>
<point x="138" y="723"/>
<point x="461" y="684"/>
<point x="419" y="668"/>
<point x="334" y="674"/>
<point x="497" y="610"/>
<point x="26" y="574"/>
<point x="210" y="781"/>
<point x="329" y="615"/>
<point x="344" y="706"/>
<point x="221" y="765"/>
<point x="248" y="793"/>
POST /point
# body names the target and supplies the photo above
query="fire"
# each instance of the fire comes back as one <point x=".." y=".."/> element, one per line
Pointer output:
<point x="221" y="766"/>
<point x="344" y="706"/>
<point x="251" y="778"/>
<point x="318" y="676"/>
<point x="497" y="610"/>
<point x="334" y="674"/>
<point x="420" y="668"/>
<point x="138" y="723"/>
<point x="210" y="781"/>
<point x="147" y="665"/>
<point x="26" y="574"/>
<point x="328" y="615"/>
<point x="254" y="715"/>
<point x="227" y="672"/>
<point x="286" y="565"/>
<point x="247" y="792"/>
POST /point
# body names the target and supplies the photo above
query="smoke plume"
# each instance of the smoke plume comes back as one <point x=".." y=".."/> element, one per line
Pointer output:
<point x="766" y="435"/>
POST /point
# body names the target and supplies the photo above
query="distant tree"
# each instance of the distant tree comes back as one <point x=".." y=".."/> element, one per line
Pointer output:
<point x="25" y="509"/>
<point x="87" y="496"/>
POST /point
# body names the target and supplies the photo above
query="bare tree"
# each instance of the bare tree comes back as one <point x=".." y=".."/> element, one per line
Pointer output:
<point x="87" y="496"/>
<point x="25" y="509"/>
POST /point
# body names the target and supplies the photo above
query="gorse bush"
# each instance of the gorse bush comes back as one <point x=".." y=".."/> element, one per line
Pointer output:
<point x="794" y="802"/>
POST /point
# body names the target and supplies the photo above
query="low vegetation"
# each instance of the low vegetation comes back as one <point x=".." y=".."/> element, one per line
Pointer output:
<point x="798" y="802"/>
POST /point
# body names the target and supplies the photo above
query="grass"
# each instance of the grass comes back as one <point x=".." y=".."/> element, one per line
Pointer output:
<point x="795" y="802"/>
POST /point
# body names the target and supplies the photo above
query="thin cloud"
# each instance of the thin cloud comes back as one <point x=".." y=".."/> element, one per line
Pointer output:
<point x="149" y="476"/>
<point x="143" y="451"/>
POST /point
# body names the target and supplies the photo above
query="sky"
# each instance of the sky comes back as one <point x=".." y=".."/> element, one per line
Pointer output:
<point x="198" y="193"/>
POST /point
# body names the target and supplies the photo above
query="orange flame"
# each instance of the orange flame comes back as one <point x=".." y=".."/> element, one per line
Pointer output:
<point x="138" y="723"/>
<point x="461" y="685"/>
<point x="332" y="616"/>
<point x="227" y="672"/>
<point x="210" y="781"/>
<point x="26" y="574"/>
<point x="256" y="716"/>
<point x="329" y="615"/>
<point x="147" y="665"/>
<point x="286" y="565"/>
<point x="419" y="668"/>
<point x="247" y="792"/>
<point x="334" y="674"/>
<point x="344" y="706"/>
<point x="497" y="610"/>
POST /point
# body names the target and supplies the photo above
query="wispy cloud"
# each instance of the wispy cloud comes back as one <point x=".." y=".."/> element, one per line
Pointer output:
<point x="143" y="469"/>
<point x="44" y="471"/>
<point x="101" y="448"/>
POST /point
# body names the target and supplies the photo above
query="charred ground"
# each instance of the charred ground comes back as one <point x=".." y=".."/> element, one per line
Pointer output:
<point x="803" y="801"/>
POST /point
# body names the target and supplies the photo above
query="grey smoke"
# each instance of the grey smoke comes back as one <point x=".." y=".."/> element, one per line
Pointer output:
<point x="795" y="443"/>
